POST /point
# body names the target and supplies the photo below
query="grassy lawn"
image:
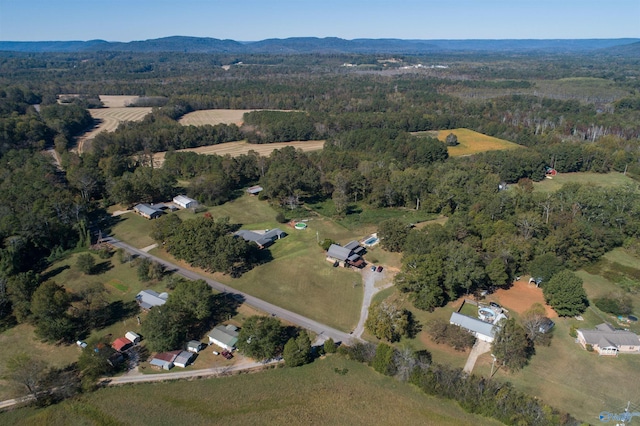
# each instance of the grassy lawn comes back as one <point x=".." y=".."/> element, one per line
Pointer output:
<point x="608" y="180"/>
<point x="315" y="393"/>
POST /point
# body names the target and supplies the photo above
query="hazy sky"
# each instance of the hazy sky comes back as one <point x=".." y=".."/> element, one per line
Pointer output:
<point x="247" y="20"/>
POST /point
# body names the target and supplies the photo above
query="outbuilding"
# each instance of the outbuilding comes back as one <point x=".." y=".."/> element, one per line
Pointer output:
<point x="133" y="337"/>
<point x="194" y="346"/>
<point x="183" y="359"/>
<point x="121" y="344"/>
<point x="147" y="299"/>
<point x="185" y="202"/>
<point x="164" y="360"/>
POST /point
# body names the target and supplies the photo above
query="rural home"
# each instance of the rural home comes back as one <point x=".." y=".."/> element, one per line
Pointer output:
<point x="194" y="346"/>
<point x="254" y="190"/>
<point x="164" y="360"/>
<point x="606" y="340"/>
<point x="147" y="299"/>
<point x="480" y="329"/>
<point x="262" y="239"/>
<point x="183" y="359"/>
<point x="145" y="210"/>
<point x="185" y="202"/>
<point x="121" y="344"/>
<point x="345" y="255"/>
<point x="225" y="336"/>
<point x="133" y="337"/>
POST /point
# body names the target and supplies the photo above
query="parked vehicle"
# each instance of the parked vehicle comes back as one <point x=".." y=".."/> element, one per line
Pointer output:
<point x="373" y="268"/>
<point x="216" y="353"/>
<point x="380" y="268"/>
<point x="227" y="354"/>
<point x="494" y="305"/>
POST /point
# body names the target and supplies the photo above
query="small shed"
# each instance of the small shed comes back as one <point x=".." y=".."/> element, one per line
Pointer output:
<point x="183" y="359"/>
<point x="164" y="360"/>
<point x="121" y="344"/>
<point x="225" y="336"/>
<point x="194" y="346"/>
<point x="185" y="202"/>
<point x="133" y="337"/>
<point x="254" y="190"/>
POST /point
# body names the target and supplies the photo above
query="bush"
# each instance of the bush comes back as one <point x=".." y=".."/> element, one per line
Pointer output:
<point x="326" y="243"/>
<point x="589" y="347"/>
<point x="86" y="263"/>
<point x="573" y="331"/>
<point x="616" y="305"/>
<point x="330" y="346"/>
<point x="280" y="218"/>
<point x="452" y="335"/>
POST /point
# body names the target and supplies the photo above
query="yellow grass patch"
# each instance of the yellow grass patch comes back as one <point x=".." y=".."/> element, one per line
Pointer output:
<point x="213" y="117"/>
<point x="235" y="149"/>
<point x="473" y="142"/>
<point x="109" y="119"/>
<point x="117" y="101"/>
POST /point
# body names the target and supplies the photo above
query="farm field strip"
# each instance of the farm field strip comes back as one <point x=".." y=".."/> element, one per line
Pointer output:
<point x="235" y="149"/>
<point x="213" y="117"/>
<point x="471" y="142"/>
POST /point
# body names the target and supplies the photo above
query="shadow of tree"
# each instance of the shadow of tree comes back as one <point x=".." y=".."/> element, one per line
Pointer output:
<point x="101" y="268"/>
<point x="52" y="273"/>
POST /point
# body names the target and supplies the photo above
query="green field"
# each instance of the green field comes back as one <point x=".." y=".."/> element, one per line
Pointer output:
<point x="608" y="180"/>
<point x="313" y="394"/>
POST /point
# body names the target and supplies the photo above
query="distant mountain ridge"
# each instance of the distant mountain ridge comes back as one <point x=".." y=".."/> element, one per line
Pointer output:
<point x="297" y="45"/>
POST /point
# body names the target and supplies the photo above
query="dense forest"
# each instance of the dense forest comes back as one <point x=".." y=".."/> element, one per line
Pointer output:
<point x="372" y="156"/>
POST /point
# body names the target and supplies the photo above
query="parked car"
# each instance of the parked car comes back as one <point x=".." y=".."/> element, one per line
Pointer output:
<point x="227" y="354"/>
<point x="380" y="268"/>
<point x="373" y="268"/>
<point x="494" y="305"/>
<point x="216" y="353"/>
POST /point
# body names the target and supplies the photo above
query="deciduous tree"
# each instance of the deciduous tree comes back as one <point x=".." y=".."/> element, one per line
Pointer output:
<point x="565" y="294"/>
<point x="511" y="346"/>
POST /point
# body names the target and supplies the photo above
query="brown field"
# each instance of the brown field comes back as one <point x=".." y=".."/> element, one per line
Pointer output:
<point x="470" y="142"/>
<point x="235" y="149"/>
<point x="117" y="101"/>
<point x="521" y="296"/>
<point x="109" y="119"/>
<point x="213" y="117"/>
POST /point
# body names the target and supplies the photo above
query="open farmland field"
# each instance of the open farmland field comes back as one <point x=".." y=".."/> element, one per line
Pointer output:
<point x="213" y="117"/>
<point x="117" y="101"/>
<point x="471" y="142"/>
<point x="235" y="149"/>
<point x="315" y="393"/>
<point x="108" y="120"/>
<point x="608" y="180"/>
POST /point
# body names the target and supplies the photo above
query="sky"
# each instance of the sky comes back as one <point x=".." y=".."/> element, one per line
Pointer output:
<point x="252" y="20"/>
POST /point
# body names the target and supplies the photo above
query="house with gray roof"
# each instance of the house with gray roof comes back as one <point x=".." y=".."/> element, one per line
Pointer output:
<point x="225" y="336"/>
<point x="480" y="329"/>
<point x="262" y="238"/>
<point x="345" y="254"/>
<point x="147" y="299"/>
<point x="145" y="210"/>
<point x="185" y="202"/>
<point x="183" y="359"/>
<point x="606" y="340"/>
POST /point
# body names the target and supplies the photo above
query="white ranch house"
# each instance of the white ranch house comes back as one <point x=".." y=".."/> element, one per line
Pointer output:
<point x="184" y="202"/>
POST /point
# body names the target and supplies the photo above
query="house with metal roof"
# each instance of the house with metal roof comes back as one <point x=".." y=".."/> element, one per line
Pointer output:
<point x="262" y="238"/>
<point x="254" y="190"/>
<point x="184" y="202"/>
<point x="147" y="299"/>
<point x="606" y="340"/>
<point x="195" y="346"/>
<point x="121" y="344"/>
<point x="344" y="254"/>
<point x="480" y="329"/>
<point x="225" y="336"/>
<point x="164" y="360"/>
<point x="145" y="210"/>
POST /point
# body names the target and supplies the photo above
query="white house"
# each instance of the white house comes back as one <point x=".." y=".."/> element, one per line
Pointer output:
<point x="481" y="330"/>
<point x="183" y="359"/>
<point x="147" y="299"/>
<point x="225" y="336"/>
<point x="185" y="202"/>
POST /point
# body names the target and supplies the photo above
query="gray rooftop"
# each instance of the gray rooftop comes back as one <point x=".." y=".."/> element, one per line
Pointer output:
<point x="606" y="336"/>
<point x="262" y="239"/>
<point x="227" y="334"/>
<point x="472" y="324"/>
<point x="183" y="358"/>
<point x="337" y="252"/>
<point x="147" y="209"/>
<point x="149" y="298"/>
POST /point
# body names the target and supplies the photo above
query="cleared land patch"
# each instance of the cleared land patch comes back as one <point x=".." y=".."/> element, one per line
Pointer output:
<point x="235" y="149"/>
<point x="328" y="391"/>
<point x="108" y="120"/>
<point x="604" y="180"/>
<point x="471" y="142"/>
<point x="521" y="296"/>
<point x="213" y="117"/>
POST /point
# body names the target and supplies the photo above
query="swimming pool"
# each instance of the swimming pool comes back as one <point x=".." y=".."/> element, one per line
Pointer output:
<point x="371" y="241"/>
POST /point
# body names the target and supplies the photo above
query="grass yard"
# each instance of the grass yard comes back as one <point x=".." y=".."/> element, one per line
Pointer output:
<point x="133" y="229"/>
<point x="317" y="393"/>
<point x="604" y="180"/>
<point x="470" y="142"/>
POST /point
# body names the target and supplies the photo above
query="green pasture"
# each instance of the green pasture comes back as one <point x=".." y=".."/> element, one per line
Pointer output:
<point x="603" y="180"/>
<point x="329" y="391"/>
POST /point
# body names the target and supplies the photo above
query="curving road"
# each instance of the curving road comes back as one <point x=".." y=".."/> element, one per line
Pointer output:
<point x="292" y="317"/>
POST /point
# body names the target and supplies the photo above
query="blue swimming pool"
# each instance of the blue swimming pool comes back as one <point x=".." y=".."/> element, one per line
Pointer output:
<point x="371" y="241"/>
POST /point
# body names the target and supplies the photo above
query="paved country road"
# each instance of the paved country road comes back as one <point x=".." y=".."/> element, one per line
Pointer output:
<point x="292" y="317"/>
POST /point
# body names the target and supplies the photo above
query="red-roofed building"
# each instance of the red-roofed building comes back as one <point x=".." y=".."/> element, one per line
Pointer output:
<point x="121" y="343"/>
